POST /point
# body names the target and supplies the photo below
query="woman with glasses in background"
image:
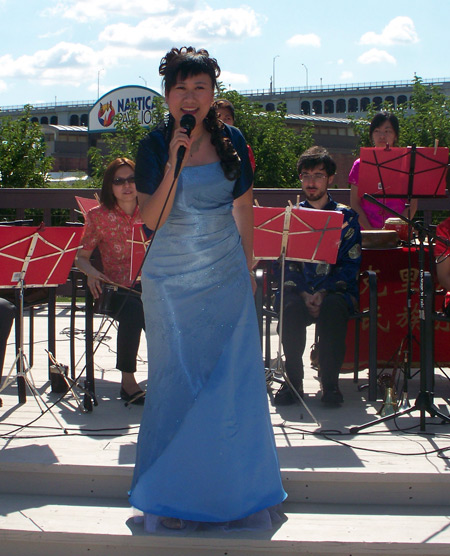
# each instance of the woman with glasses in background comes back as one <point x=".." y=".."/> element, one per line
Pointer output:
<point x="109" y="227"/>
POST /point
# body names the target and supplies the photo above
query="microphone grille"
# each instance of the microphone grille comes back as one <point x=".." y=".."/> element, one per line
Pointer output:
<point x="187" y="122"/>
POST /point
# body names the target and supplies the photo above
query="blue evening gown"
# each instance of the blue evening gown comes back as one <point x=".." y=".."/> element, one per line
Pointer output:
<point x="206" y="450"/>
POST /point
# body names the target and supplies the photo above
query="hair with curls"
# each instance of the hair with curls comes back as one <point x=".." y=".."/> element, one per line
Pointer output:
<point x="380" y="118"/>
<point x="106" y="195"/>
<point x="314" y="157"/>
<point x="187" y="61"/>
<point x="222" y="103"/>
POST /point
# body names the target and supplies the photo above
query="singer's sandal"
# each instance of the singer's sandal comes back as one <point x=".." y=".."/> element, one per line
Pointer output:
<point x="173" y="523"/>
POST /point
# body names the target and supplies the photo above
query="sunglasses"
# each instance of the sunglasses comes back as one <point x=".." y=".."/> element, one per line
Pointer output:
<point x="123" y="181"/>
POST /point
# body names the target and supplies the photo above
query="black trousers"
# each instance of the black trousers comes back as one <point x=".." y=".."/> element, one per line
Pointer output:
<point x="7" y="314"/>
<point x="332" y="330"/>
<point x="128" y="311"/>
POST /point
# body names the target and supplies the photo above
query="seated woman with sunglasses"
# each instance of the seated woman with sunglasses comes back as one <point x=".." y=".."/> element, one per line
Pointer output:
<point x="109" y="227"/>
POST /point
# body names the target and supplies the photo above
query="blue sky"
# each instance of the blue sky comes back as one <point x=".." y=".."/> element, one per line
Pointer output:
<point x="69" y="50"/>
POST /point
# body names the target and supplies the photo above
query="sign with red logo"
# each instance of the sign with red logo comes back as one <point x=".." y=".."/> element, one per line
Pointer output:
<point x="115" y="106"/>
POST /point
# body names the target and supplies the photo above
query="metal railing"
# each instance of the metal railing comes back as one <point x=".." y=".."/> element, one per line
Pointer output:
<point x="51" y="200"/>
<point x="50" y="105"/>
<point x="343" y="87"/>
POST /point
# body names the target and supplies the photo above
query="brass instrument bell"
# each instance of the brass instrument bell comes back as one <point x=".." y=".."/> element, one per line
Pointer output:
<point x="390" y="405"/>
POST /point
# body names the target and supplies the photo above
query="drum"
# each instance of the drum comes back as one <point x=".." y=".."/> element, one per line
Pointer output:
<point x="399" y="225"/>
<point x="379" y="239"/>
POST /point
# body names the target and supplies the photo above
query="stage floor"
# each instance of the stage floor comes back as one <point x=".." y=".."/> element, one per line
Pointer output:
<point x="107" y="435"/>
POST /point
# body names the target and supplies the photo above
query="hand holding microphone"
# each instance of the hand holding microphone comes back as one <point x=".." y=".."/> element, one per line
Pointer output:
<point x="188" y="123"/>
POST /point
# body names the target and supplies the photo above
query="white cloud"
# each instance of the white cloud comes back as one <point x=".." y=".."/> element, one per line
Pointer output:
<point x="399" y="30"/>
<point x="228" y="77"/>
<point x="375" y="56"/>
<point x="52" y="34"/>
<point x="100" y="90"/>
<point x="340" y="62"/>
<point x="346" y="75"/>
<point x="3" y="86"/>
<point x="310" y="39"/>
<point x="113" y="54"/>
<point x="89" y="10"/>
<point x="75" y="64"/>
<point x="198" y="28"/>
<point x="69" y="63"/>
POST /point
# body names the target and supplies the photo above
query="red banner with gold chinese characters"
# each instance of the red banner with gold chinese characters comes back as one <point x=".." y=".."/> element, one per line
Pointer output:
<point x="391" y="267"/>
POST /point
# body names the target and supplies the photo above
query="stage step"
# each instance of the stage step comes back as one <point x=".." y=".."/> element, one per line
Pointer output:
<point x="48" y="525"/>
<point x="305" y="487"/>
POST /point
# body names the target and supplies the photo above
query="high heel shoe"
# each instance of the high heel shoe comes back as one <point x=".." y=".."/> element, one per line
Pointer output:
<point x="138" y="398"/>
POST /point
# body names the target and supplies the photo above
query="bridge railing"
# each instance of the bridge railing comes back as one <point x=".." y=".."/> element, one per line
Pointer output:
<point x="343" y="87"/>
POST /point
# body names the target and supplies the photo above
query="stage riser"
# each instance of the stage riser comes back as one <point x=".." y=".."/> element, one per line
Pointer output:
<point x="94" y="485"/>
<point x="298" y="549"/>
<point x="302" y="487"/>
<point x="52" y="526"/>
<point x="411" y="494"/>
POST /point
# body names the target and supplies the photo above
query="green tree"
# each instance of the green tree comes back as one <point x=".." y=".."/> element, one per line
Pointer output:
<point x="124" y="141"/>
<point x="275" y="146"/>
<point x="23" y="160"/>
<point x="423" y="121"/>
<point x="430" y="120"/>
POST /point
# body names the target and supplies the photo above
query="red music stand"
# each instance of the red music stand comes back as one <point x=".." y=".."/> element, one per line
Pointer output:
<point x="297" y="234"/>
<point x="403" y="171"/>
<point x="301" y="234"/>
<point x="86" y="204"/>
<point x="30" y="258"/>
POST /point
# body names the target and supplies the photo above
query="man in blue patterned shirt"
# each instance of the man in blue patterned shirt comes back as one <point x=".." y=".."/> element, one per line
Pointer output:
<point x="317" y="292"/>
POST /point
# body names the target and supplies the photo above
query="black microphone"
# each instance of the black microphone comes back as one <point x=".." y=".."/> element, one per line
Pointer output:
<point x="188" y="123"/>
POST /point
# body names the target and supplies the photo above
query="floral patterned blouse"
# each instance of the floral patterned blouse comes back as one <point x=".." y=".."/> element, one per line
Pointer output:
<point x="111" y="232"/>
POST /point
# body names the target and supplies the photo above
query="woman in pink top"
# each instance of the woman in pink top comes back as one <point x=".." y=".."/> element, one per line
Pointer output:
<point x="109" y="227"/>
<point x="384" y="130"/>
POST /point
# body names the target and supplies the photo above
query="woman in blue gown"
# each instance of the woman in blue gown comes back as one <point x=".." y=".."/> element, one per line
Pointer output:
<point x="206" y="450"/>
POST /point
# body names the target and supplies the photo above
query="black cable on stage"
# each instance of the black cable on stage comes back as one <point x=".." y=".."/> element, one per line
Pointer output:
<point x="332" y="434"/>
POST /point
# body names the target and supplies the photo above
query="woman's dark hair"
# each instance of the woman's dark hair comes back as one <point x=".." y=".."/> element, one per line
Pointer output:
<point x="187" y="61"/>
<point x="106" y="195"/>
<point x="380" y="118"/>
<point x="222" y="103"/>
<point x="314" y="157"/>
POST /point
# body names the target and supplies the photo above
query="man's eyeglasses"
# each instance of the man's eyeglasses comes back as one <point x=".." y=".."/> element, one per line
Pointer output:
<point x="313" y="177"/>
<point x="123" y="181"/>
